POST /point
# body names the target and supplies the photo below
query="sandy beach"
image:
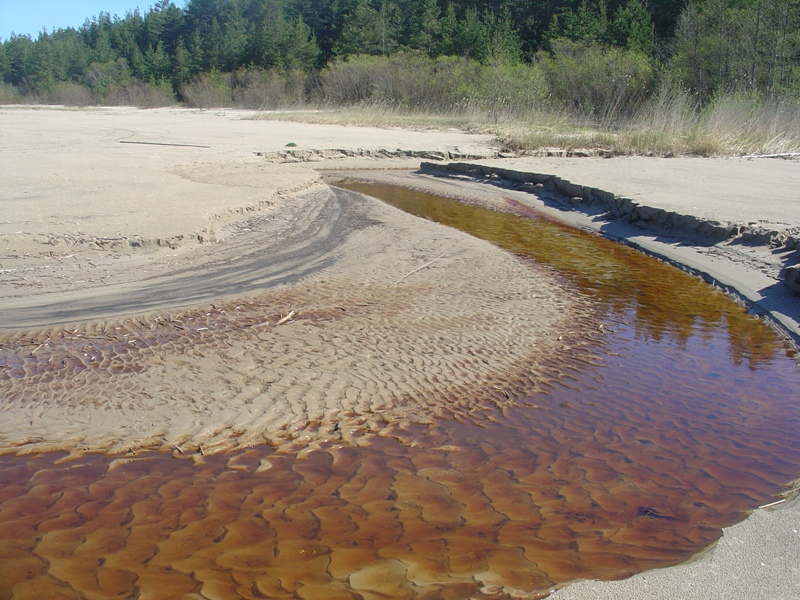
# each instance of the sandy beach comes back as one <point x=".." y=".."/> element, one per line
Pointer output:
<point x="150" y="233"/>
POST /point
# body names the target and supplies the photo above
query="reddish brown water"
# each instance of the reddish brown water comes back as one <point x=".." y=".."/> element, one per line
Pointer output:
<point x="632" y="453"/>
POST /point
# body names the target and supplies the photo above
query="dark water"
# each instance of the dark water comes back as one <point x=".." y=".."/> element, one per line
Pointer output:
<point x="632" y="451"/>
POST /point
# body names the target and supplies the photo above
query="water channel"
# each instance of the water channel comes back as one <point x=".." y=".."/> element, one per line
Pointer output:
<point x="631" y="452"/>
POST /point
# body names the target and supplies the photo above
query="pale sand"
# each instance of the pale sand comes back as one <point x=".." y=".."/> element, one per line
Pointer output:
<point x="755" y="559"/>
<point x="386" y="308"/>
<point x="357" y="345"/>
<point x="82" y="240"/>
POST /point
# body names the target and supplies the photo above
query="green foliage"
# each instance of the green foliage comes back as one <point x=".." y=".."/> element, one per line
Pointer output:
<point x="253" y="88"/>
<point x="276" y="42"/>
<point x="511" y="90"/>
<point x="588" y="24"/>
<point x="413" y="82"/>
<point x="727" y="45"/>
<point x="471" y="36"/>
<point x="207" y="90"/>
<point x="503" y="43"/>
<point x="665" y="14"/>
<point x="101" y="77"/>
<point x="484" y="37"/>
<point x="604" y="84"/>
<point x="18" y="69"/>
<point x="368" y="29"/>
<point x="423" y="26"/>
<point x="3" y="62"/>
<point x="404" y="80"/>
<point x="596" y="57"/>
<point x="632" y="28"/>
<point x="300" y="47"/>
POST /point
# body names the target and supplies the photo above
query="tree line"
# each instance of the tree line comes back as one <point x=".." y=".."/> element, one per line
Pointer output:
<point x="703" y="46"/>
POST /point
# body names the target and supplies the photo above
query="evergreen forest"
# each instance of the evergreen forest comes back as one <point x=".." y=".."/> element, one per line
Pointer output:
<point x="603" y="63"/>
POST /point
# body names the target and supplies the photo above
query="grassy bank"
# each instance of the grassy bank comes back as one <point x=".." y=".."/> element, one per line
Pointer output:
<point x="670" y="124"/>
<point x="732" y="126"/>
<point x="580" y="97"/>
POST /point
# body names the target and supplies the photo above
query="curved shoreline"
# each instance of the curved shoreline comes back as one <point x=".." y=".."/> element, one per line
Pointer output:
<point x="746" y="261"/>
<point x="753" y="558"/>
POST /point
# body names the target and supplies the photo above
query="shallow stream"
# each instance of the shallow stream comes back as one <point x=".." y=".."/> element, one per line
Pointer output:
<point x="632" y="452"/>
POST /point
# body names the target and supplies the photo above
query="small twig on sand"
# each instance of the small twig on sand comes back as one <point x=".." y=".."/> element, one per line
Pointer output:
<point x="781" y="501"/>
<point x="163" y="144"/>
<point x="286" y="318"/>
<point x="428" y="264"/>
<point x="778" y="155"/>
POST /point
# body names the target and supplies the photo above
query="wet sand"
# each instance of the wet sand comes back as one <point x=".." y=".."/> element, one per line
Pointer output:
<point x="143" y="239"/>
<point x="721" y="233"/>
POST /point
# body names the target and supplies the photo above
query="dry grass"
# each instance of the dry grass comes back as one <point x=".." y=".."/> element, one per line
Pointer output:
<point x="376" y="115"/>
<point x="668" y="124"/>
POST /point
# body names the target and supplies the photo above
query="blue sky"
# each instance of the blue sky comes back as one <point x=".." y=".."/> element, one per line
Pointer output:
<point x="30" y="16"/>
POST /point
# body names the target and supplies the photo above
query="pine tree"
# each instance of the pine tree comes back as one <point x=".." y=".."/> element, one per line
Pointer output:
<point x="180" y="65"/>
<point x="362" y="30"/>
<point x="3" y="62"/>
<point x="503" y="45"/>
<point x="424" y="27"/>
<point x="472" y="36"/>
<point x="448" y="33"/>
<point x="588" y="24"/>
<point x="19" y="52"/>
<point x="632" y="28"/>
<point x="300" y="49"/>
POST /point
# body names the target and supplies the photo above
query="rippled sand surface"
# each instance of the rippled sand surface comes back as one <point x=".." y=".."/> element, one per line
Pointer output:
<point x="501" y="491"/>
<point x="419" y="415"/>
<point x="297" y="392"/>
<point x="397" y="312"/>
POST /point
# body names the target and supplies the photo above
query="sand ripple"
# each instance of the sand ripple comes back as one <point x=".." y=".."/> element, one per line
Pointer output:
<point x="406" y="315"/>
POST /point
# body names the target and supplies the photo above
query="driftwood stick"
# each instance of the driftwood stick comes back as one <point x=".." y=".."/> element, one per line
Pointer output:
<point x="428" y="264"/>
<point x="286" y="318"/>
<point x="781" y="501"/>
<point x="778" y="155"/>
<point x="163" y="144"/>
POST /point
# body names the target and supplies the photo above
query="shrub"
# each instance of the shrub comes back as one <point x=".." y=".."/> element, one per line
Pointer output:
<point x="508" y="91"/>
<point x="69" y="93"/>
<point x="101" y="77"/>
<point x="252" y="88"/>
<point x="262" y="89"/>
<point x="208" y="90"/>
<point x="8" y="94"/>
<point x="141" y="94"/>
<point x="603" y="84"/>
<point x="415" y="83"/>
